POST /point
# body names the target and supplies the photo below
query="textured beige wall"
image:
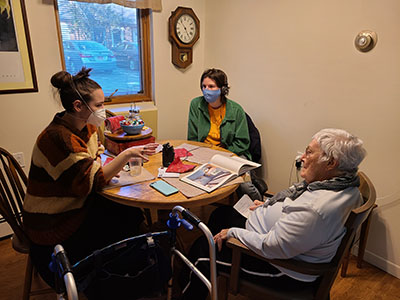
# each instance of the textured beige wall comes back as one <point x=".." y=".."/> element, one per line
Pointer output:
<point x="293" y="67"/>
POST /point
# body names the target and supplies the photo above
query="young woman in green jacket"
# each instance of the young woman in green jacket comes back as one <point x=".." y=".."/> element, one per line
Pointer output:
<point x="217" y="120"/>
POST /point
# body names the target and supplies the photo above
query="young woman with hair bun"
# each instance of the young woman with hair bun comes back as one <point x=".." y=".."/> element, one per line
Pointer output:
<point x="62" y="205"/>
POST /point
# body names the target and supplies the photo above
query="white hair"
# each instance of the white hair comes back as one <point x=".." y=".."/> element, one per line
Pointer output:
<point x="342" y="146"/>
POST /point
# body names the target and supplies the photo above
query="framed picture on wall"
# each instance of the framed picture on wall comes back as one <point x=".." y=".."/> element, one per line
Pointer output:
<point x="17" y="72"/>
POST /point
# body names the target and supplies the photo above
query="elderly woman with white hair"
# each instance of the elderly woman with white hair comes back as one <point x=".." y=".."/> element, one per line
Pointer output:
<point x="305" y="221"/>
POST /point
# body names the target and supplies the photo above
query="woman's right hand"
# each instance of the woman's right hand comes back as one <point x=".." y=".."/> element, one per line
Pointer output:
<point x="116" y="165"/>
<point x="142" y="151"/>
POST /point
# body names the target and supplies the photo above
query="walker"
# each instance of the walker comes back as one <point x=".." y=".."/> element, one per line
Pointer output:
<point x="67" y="286"/>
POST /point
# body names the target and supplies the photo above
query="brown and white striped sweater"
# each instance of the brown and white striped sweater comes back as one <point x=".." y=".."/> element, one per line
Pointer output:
<point x="63" y="172"/>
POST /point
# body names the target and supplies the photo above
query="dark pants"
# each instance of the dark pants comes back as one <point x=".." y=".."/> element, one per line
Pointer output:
<point x="222" y="218"/>
<point x="106" y="222"/>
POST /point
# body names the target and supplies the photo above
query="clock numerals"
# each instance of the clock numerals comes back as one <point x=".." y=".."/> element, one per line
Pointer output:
<point x="185" y="29"/>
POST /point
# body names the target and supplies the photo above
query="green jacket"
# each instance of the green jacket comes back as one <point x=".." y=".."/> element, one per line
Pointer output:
<point x="234" y="130"/>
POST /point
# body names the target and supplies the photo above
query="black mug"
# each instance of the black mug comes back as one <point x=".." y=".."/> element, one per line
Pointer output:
<point x="168" y="154"/>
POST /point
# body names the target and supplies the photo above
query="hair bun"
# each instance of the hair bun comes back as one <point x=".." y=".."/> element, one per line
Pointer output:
<point x="82" y="74"/>
<point x="61" y="80"/>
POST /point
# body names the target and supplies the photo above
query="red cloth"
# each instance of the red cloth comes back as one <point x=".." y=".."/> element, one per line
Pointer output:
<point x="112" y="123"/>
<point x="108" y="160"/>
<point x="177" y="166"/>
<point x="182" y="152"/>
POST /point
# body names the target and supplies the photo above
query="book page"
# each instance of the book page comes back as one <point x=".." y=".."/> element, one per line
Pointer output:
<point x="226" y="163"/>
<point x="235" y="164"/>
<point x="243" y="206"/>
<point x="209" y="177"/>
<point x="247" y="165"/>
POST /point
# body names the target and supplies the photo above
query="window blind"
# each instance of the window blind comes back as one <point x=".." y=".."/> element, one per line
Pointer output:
<point x="154" y="5"/>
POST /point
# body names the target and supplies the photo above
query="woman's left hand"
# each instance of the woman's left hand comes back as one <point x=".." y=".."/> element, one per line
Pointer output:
<point x="257" y="203"/>
<point x="219" y="238"/>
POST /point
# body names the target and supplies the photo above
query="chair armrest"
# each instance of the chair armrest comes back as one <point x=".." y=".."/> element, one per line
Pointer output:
<point x="291" y="264"/>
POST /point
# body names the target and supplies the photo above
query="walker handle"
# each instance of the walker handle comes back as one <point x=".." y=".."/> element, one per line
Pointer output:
<point x="187" y="214"/>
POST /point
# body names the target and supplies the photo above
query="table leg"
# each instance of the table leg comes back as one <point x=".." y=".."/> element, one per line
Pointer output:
<point x="149" y="216"/>
<point x="154" y="214"/>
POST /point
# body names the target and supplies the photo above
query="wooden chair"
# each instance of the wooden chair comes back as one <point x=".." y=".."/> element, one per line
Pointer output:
<point x="326" y="271"/>
<point x="109" y="113"/>
<point x="367" y="190"/>
<point x="100" y="129"/>
<point x="13" y="183"/>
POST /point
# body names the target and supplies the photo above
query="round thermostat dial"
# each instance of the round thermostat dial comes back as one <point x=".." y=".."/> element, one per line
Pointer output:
<point x="365" y="40"/>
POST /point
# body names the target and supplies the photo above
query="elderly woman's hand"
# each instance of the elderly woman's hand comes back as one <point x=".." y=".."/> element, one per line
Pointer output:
<point x="257" y="203"/>
<point x="219" y="238"/>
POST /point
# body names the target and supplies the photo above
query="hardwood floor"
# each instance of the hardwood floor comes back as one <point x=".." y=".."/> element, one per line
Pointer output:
<point x="366" y="283"/>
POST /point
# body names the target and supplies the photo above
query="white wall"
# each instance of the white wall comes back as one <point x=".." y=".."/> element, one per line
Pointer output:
<point x="174" y="88"/>
<point x="292" y="66"/>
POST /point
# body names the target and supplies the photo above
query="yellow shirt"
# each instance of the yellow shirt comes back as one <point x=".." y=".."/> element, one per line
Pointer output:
<point x="216" y="117"/>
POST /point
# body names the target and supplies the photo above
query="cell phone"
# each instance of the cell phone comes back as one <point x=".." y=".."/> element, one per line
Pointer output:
<point x="164" y="188"/>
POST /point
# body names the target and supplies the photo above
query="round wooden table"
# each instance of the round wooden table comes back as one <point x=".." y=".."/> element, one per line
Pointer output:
<point x="143" y="196"/>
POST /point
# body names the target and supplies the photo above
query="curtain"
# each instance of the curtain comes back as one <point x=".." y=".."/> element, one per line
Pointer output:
<point x="155" y="5"/>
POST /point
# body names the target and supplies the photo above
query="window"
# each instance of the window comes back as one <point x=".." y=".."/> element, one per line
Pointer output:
<point x="112" y="40"/>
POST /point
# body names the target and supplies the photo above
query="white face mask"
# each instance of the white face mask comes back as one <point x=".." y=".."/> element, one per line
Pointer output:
<point x="97" y="117"/>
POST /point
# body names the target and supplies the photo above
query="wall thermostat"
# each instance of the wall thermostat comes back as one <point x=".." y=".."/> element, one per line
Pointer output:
<point x="365" y="40"/>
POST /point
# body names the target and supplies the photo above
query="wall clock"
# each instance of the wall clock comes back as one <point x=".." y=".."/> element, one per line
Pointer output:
<point x="184" y="31"/>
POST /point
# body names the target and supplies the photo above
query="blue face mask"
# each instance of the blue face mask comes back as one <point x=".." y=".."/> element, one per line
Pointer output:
<point x="211" y="95"/>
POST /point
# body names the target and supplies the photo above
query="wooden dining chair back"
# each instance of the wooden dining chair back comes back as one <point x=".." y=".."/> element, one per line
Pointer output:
<point x="326" y="271"/>
<point x="102" y="127"/>
<point x="13" y="183"/>
<point x="368" y="193"/>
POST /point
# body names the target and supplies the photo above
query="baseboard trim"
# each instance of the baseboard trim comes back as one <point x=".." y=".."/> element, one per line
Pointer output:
<point x="380" y="262"/>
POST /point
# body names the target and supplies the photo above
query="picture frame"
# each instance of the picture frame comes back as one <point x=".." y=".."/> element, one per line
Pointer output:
<point x="17" y="72"/>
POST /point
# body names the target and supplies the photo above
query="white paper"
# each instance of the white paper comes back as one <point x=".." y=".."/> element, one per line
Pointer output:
<point x="126" y="179"/>
<point x="243" y="206"/>
<point x="201" y="155"/>
<point x="162" y="173"/>
<point x="159" y="148"/>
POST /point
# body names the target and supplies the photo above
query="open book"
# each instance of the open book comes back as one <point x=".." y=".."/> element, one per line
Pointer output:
<point x="218" y="171"/>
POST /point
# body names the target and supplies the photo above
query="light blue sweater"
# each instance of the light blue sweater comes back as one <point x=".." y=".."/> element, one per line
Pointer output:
<point x="309" y="228"/>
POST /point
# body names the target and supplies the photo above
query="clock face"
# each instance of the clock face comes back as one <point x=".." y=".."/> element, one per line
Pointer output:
<point x="185" y="28"/>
